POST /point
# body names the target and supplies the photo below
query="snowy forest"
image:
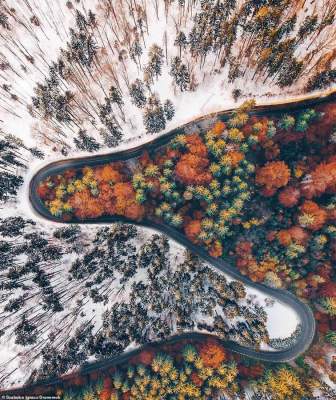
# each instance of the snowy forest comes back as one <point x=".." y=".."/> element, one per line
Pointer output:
<point x="89" y="77"/>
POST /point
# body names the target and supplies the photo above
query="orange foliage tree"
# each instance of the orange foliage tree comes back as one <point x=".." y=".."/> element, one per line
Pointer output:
<point x="195" y="145"/>
<point x="273" y="175"/>
<point x="284" y="237"/>
<point x="125" y="201"/>
<point x="212" y="354"/>
<point x="107" y="173"/>
<point x="85" y="205"/>
<point x="192" y="167"/>
<point x="323" y="178"/>
<point x="216" y="249"/>
<point x="312" y="216"/>
<point x="106" y="391"/>
<point x="218" y="128"/>
<point x="235" y="157"/>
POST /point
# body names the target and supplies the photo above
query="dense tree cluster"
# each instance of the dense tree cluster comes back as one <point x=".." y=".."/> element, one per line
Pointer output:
<point x="14" y="157"/>
<point x="37" y="289"/>
<point x="175" y="300"/>
<point x="170" y="300"/>
<point x="50" y="102"/>
<point x="85" y="142"/>
<point x="154" y="116"/>
<point x="82" y="48"/>
<point x="91" y="193"/>
<point x="195" y="368"/>
<point x="270" y="42"/>
<point x="107" y="117"/>
<point x="180" y="73"/>
<point x="112" y="254"/>
<point x="165" y="300"/>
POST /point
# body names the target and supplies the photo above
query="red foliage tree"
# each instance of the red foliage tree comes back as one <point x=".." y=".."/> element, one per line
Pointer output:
<point x="252" y="372"/>
<point x="268" y="192"/>
<point x="322" y="128"/>
<point x="196" y="380"/>
<point x="69" y="174"/>
<point x="145" y="357"/>
<point x="294" y="234"/>
<point x="331" y="214"/>
<point x="289" y="197"/>
<point x="328" y="289"/>
<point x="262" y="130"/>
<point x="192" y="229"/>
<point x="298" y="234"/>
<point x="44" y="192"/>
<point x="145" y="159"/>
<point x="105" y="394"/>
<point x="105" y="193"/>
<point x="244" y="248"/>
<point x="271" y="235"/>
<point x="272" y="150"/>
<point x="192" y="170"/>
<point x="284" y="237"/>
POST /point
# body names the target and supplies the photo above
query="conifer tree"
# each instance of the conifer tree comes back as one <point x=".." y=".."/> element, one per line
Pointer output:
<point x="155" y="61"/>
<point x="169" y="109"/>
<point x="82" y="48"/>
<point x="181" y="41"/>
<point x="85" y="142"/>
<point x="137" y="93"/>
<point x="136" y="52"/>
<point x="321" y="80"/>
<point x="308" y="26"/>
<point x="26" y="332"/>
<point x="116" y="96"/>
<point x="154" y="116"/>
<point x="180" y="73"/>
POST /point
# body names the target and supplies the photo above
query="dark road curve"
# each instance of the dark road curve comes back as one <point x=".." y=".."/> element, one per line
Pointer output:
<point x="303" y="310"/>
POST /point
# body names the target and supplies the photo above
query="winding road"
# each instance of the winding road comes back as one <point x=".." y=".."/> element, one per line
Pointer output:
<point x="304" y="312"/>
